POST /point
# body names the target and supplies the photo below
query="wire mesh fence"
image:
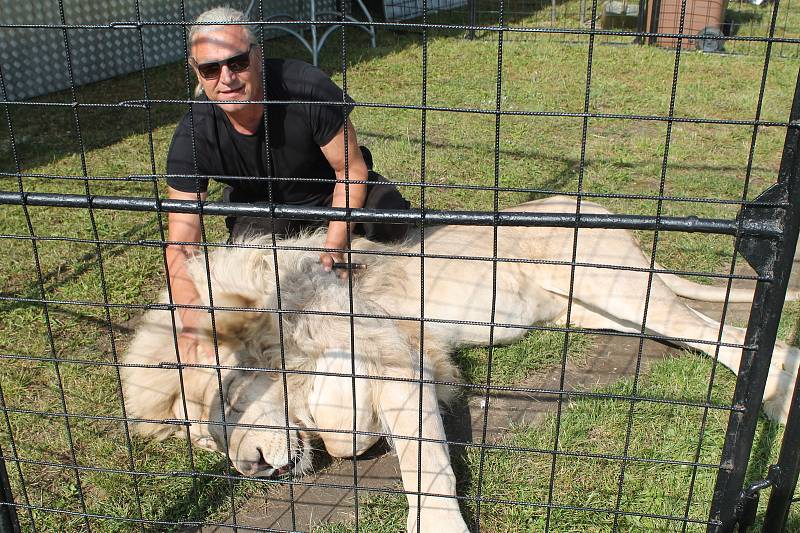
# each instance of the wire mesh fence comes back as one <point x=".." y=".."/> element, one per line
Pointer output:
<point x="724" y="27"/>
<point x="569" y="413"/>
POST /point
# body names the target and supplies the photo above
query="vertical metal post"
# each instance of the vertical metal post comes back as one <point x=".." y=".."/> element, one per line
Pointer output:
<point x="782" y="493"/>
<point x="473" y="18"/>
<point x="775" y="260"/>
<point x="641" y="21"/>
<point x="654" y="21"/>
<point x="314" y="40"/>
<point x="9" y="522"/>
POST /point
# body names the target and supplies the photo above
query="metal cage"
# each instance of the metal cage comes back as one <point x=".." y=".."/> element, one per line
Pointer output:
<point x="44" y="46"/>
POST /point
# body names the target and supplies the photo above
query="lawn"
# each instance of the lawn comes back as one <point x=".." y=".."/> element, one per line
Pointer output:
<point x="59" y="358"/>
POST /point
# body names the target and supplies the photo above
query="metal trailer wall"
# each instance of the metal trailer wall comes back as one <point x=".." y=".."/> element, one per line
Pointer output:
<point x="34" y="59"/>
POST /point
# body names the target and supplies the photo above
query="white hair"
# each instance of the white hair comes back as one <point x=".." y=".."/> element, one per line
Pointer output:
<point x="222" y="15"/>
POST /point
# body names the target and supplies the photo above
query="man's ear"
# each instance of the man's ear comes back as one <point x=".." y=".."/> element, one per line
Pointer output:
<point x="198" y="89"/>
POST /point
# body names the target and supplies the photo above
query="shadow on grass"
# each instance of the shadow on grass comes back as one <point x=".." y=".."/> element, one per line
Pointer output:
<point x="458" y="429"/>
<point x="77" y="268"/>
<point x="206" y="495"/>
<point x="571" y="165"/>
<point x="48" y="133"/>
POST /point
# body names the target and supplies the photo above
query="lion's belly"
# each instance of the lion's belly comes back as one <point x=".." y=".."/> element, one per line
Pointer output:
<point x="460" y="304"/>
<point x="466" y="291"/>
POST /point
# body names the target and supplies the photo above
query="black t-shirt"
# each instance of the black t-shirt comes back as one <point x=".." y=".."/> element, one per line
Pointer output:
<point x="296" y="132"/>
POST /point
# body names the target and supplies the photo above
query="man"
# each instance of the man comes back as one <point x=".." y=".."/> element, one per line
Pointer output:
<point x="306" y="153"/>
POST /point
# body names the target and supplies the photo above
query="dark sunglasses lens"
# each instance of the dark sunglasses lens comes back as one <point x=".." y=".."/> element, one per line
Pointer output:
<point x="239" y="63"/>
<point x="209" y="70"/>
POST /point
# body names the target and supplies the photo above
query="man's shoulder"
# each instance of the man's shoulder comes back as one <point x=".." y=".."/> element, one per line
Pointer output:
<point x="296" y="77"/>
<point x="200" y="117"/>
<point x="283" y="66"/>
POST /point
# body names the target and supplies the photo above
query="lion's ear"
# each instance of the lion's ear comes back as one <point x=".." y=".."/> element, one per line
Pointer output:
<point x="232" y="324"/>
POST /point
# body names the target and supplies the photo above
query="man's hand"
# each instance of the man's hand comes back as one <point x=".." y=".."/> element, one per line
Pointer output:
<point x="336" y="242"/>
<point x="329" y="258"/>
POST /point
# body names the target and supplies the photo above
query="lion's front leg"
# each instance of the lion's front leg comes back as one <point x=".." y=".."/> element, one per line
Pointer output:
<point x="428" y="480"/>
<point x="330" y="403"/>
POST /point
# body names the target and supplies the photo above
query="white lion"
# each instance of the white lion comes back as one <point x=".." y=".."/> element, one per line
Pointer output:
<point x="325" y="376"/>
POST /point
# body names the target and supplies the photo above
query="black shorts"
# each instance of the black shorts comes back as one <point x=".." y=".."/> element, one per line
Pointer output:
<point x="380" y="195"/>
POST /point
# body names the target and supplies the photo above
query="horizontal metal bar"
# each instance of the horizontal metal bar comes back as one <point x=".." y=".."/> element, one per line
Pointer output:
<point x="390" y="253"/>
<point x="521" y="450"/>
<point x="338" y="486"/>
<point x="276" y="311"/>
<point x="149" y="178"/>
<point x="132" y="25"/>
<point x="690" y="224"/>
<point x="148" y="103"/>
<point x="170" y="366"/>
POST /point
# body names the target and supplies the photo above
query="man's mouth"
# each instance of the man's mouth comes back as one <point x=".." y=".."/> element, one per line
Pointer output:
<point x="232" y="92"/>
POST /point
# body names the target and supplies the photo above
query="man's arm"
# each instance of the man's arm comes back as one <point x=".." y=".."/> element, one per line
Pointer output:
<point x="356" y="171"/>
<point x="184" y="227"/>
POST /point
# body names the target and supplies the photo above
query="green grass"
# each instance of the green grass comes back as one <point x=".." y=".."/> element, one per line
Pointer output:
<point x="516" y="362"/>
<point x="660" y="432"/>
<point x="537" y="154"/>
<point x="586" y="475"/>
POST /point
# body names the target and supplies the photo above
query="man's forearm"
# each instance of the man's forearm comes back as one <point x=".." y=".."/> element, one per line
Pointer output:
<point x="183" y="228"/>
<point x="181" y="284"/>
<point x="338" y="230"/>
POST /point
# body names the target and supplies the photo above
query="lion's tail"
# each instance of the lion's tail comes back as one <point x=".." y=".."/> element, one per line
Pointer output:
<point x="710" y="293"/>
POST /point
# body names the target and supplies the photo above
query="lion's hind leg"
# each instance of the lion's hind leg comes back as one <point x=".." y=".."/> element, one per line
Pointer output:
<point x="782" y="375"/>
<point x="620" y="299"/>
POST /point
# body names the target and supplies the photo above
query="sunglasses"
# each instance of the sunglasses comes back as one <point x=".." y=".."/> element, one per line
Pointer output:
<point x="237" y="63"/>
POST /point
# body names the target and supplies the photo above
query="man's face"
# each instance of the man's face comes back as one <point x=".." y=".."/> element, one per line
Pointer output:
<point x="220" y="44"/>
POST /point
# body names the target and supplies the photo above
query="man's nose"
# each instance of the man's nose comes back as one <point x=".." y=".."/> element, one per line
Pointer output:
<point x="226" y="75"/>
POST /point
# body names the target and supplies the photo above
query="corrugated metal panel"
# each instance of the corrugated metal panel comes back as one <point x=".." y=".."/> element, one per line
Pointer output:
<point x="34" y="60"/>
<point x="406" y="9"/>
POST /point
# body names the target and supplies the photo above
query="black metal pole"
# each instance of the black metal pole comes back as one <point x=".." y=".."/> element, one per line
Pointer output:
<point x="641" y="20"/>
<point x="9" y="522"/>
<point x="761" y="334"/>
<point x="473" y="18"/>
<point x="654" y="19"/>
<point x="763" y="228"/>
<point x="780" y="498"/>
